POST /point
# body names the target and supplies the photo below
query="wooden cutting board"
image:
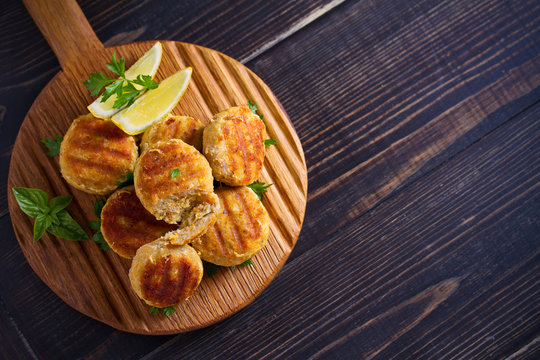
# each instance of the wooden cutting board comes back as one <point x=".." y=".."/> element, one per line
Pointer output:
<point x="93" y="281"/>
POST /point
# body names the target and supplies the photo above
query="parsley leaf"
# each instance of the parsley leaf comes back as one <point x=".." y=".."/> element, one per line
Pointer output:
<point x="259" y="188"/>
<point x="168" y="310"/>
<point x="247" y="262"/>
<point x="254" y="109"/>
<point x="53" y="145"/>
<point x="123" y="88"/>
<point x="269" y="142"/>
<point x="95" y="226"/>
<point x="153" y="310"/>
<point x="128" y="181"/>
<point x="174" y="173"/>
<point x="210" y="269"/>
<point x="50" y="216"/>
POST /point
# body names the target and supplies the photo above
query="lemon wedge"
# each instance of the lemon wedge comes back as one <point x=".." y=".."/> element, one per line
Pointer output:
<point x="154" y="104"/>
<point x="146" y="65"/>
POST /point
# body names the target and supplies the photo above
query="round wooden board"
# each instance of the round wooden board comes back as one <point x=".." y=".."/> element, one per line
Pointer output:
<point x="95" y="282"/>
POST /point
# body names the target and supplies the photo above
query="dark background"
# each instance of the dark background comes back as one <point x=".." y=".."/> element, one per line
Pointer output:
<point x="420" y="126"/>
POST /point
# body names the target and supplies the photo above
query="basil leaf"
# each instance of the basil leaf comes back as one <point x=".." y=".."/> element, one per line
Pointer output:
<point x="40" y="225"/>
<point x="33" y="202"/>
<point x="95" y="225"/>
<point x="98" y="206"/>
<point x="68" y="228"/>
<point x="58" y="203"/>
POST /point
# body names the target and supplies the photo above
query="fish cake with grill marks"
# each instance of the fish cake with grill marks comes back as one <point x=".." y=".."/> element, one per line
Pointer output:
<point x="239" y="232"/>
<point x="233" y="143"/>
<point x="126" y="225"/>
<point x="95" y="155"/>
<point x="185" y="128"/>
<point x="173" y="181"/>
<point x="163" y="274"/>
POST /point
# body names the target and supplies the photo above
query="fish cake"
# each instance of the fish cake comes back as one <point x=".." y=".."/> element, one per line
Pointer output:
<point x="239" y="232"/>
<point x="95" y="155"/>
<point x="163" y="274"/>
<point x="174" y="183"/>
<point x="185" y="128"/>
<point x="126" y="225"/>
<point x="233" y="143"/>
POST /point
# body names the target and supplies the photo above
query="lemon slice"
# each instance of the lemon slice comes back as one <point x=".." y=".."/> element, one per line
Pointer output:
<point x="154" y="104"/>
<point x="146" y="65"/>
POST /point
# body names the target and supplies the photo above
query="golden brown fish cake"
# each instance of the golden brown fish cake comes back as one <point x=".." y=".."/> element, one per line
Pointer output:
<point x="239" y="232"/>
<point x="233" y="143"/>
<point x="95" y="155"/>
<point x="126" y="225"/>
<point x="163" y="274"/>
<point x="174" y="181"/>
<point x="185" y="128"/>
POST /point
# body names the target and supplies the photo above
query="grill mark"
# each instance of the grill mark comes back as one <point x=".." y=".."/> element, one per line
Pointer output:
<point x="233" y="225"/>
<point x="180" y="286"/>
<point x="252" y="228"/>
<point x="102" y="149"/>
<point x="239" y="136"/>
<point x="218" y="235"/>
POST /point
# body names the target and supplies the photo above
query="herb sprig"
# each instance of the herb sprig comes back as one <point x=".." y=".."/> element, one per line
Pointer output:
<point x="211" y="269"/>
<point x="50" y="216"/>
<point x="269" y="142"/>
<point x="165" y="311"/>
<point x="96" y="226"/>
<point x="53" y="145"/>
<point x="128" y="180"/>
<point x="174" y="173"/>
<point x="254" y="108"/>
<point x="259" y="188"/>
<point x="124" y="89"/>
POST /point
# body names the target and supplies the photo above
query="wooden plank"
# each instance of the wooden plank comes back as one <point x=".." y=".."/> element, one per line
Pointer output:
<point x="446" y="268"/>
<point x="384" y="87"/>
<point x="14" y="342"/>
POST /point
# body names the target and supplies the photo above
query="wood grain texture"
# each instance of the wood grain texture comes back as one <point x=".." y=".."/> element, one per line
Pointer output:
<point x="335" y="76"/>
<point x="427" y="274"/>
<point x="95" y="282"/>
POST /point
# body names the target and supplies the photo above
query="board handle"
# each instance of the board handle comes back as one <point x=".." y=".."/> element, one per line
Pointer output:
<point x="65" y="28"/>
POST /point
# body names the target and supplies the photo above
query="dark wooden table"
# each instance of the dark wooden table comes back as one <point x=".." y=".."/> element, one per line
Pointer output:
<point x="420" y="125"/>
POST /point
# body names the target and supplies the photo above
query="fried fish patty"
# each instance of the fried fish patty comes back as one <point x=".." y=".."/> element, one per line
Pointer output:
<point x="173" y="180"/>
<point x="239" y="232"/>
<point x="163" y="274"/>
<point x="185" y="128"/>
<point x="233" y="143"/>
<point x="95" y="155"/>
<point x="126" y="225"/>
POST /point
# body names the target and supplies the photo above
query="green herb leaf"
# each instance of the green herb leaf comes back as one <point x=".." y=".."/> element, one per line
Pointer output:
<point x="98" y="238"/>
<point x="33" y="202"/>
<point x="174" y="173"/>
<point x="153" y="310"/>
<point x="168" y="310"/>
<point x="96" y="82"/>
<point x="68" y="228"/>
<point x="58" y="203"/>
<point x="41" y="224"/>
<point x="252" y="106"/>
<point x="98" y="206"/>
<point x="247" y="262"/>
<point x="259" y="188"/>
<point x="210" y="269"/>
<point x="94" y="225"/>
<point x="146" y="81"/>
<point x="269" y="142"/>
<point x="124" y="89"/>
<point x="53" y="145"/>
<point x="128" y="180"/>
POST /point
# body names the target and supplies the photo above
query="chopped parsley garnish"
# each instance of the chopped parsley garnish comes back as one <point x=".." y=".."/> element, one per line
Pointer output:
<point x="53" y="145"/>
<point x="165" y="311"/>
<point x="124" y="89"/>
<point x="128" y="181"/>
<point x="269" y="142"/>
<point x="254" y="109"/>
<point x="259" y="188"/>
<point x="174" y="173"/>
<point x="96" y="226"/>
